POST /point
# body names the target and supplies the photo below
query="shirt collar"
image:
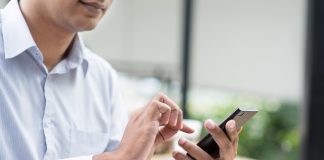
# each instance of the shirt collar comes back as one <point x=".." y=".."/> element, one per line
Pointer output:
<point x="75" y="58"/>
<point x="17" y="38"/>
<point x="16" y="35"/>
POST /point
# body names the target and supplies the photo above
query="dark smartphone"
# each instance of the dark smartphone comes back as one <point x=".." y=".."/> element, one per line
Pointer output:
<point x="240" y="116"/>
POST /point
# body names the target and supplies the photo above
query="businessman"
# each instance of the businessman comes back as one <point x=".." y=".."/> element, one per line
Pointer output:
<point x="59" y="100"/>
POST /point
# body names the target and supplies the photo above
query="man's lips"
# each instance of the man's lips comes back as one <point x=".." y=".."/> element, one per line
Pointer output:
<point x="93" y="5"/>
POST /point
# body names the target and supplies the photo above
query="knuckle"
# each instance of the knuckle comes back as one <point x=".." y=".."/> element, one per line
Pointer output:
<point x="168" y="108"/>
<point x="187" y="146"/>
<point x="180" y="112"/>
<point x="163" y="98"/>
<point x="154" y="102"/>
<point x="174" y="111"/>
<point x="160" y="95"/>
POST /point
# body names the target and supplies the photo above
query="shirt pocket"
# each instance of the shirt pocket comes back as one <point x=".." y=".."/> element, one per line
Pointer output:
<point x="87" y="143"/>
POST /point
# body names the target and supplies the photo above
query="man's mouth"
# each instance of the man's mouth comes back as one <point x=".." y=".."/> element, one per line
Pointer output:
<point x="93" y="6"/>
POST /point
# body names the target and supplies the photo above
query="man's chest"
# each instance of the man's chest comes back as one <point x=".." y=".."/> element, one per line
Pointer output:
<point x="60" y="111"/>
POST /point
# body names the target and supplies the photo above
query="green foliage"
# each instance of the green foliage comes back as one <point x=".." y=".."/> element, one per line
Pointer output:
<point x="272" y="134"/>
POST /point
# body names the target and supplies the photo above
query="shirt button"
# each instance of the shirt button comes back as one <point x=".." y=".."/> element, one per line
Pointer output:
<point x="49" y="124"/>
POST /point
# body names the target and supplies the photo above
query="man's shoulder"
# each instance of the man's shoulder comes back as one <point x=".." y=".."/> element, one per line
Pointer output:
<point x="98" y="64"/>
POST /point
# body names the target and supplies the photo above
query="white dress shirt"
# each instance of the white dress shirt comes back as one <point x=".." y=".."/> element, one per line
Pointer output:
<point x="73" y="110"/>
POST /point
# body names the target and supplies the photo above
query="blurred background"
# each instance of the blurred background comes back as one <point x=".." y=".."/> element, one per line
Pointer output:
<point x="212" y="57"/>
<point x="242" y="54"/>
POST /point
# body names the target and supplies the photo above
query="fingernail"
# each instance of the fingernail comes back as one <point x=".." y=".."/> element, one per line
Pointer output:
<point x="231" y="124"/>
<point x="181" y="141"/>
<point x="210" y="124"/>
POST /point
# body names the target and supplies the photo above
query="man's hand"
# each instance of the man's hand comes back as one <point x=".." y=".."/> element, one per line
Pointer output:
<point x="148" y="127"/>
<point x="227" y="144"/>
<point x="170" y="123"/>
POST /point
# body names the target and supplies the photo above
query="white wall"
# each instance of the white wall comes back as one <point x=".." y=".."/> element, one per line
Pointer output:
<point x="3" y="3"/>
<point x="253" y="46"/>
<point x="139" y="33"/>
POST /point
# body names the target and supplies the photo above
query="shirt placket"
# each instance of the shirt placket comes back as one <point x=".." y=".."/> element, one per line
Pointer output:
<point x="48" y="119"/>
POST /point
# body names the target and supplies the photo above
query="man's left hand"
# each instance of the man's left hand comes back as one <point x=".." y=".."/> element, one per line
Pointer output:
<point x="227" y="143"/>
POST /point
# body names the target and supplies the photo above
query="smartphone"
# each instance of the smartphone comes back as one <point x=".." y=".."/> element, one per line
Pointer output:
<point x="240" y="115"/>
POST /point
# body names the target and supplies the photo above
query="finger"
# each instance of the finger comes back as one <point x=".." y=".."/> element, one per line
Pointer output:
<point x="157" y="110"/>
<point x="239" y="130"/>
<point x="237" y="140"/>
<point x="187" y="129"/>
<point x="175" y="110"/>
<point x="231" y="130"/>
<point x="180" y="156"/>
<point x="164" y="118"/>
<point x="235" y="146"/>
<point x="192" y="149"/>
<point x="219" y="136"/>
<point x="173" y="117"/>
<point x="232" y="134"/>
<point x="179" y="124"/>
<point x="168" y="132"/>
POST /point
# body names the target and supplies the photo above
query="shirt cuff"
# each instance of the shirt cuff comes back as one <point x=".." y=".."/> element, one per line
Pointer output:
<point x="79" y="158"/>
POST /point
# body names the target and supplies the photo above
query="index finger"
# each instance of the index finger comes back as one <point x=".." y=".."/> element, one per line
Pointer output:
<point x="157" y="110"/>
<point x="187" y="129"/>
<point x="176" y="117"/>
<point x="165" y="99"/>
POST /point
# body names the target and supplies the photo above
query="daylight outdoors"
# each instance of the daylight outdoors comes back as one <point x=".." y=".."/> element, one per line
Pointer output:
<point x="247" y="53"/>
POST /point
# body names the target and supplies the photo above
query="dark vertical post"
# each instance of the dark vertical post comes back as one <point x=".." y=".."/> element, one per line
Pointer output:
<point x="313" y="141"/>
<point x="187" y="26"/>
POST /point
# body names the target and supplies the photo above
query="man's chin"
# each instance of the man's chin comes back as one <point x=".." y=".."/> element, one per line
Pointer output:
<point x="87" y="27"/>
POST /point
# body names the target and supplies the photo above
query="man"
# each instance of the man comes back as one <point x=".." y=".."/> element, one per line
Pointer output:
<point x="59" y="100"/>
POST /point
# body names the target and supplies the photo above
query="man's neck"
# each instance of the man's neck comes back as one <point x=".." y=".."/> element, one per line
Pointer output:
<point x="52" y="41"/>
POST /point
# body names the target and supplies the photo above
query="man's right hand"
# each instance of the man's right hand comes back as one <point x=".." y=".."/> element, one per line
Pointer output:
<point x="149" y="126"/>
